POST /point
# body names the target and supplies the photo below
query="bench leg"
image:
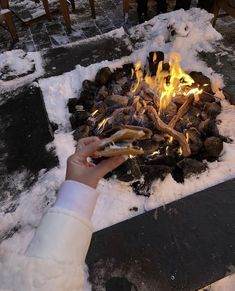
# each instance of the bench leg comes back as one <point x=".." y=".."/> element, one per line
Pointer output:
<point x="92" y="4"/>
<point x="11" y="26"/>
<point x="4" y="4"/>
<point x="47" y="10"/>
<point x="125" y="9"/>
<point x="216" y="13"/>
<point x="65" y="13"/>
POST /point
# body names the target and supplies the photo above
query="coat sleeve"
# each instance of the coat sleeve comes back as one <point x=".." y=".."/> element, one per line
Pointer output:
<point x="55" y="257"/>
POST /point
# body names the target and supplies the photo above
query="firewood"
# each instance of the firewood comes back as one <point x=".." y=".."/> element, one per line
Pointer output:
<point x="160" y="125"/>
<point x="183" y="109"/>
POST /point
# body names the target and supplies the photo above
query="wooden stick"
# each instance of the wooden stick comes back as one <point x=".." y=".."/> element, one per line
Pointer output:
<point x="181" y="112"/>
<point x="212" y="95"/>
<point x="160" y="125"/>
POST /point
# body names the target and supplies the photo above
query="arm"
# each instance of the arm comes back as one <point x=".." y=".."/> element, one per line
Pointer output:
<point x="55" y="257"/>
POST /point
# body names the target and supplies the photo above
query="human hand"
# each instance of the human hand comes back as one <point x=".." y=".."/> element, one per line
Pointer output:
<point x="80" y="170"/>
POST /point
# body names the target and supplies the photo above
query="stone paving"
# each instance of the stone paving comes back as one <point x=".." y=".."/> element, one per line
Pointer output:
<point x="43" y="34"/>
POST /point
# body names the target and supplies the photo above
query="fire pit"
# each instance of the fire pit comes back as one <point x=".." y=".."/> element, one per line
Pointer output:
<point x="161" y="117"/>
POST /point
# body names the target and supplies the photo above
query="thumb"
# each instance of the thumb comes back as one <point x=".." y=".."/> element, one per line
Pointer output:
<point x="109" y="165"/>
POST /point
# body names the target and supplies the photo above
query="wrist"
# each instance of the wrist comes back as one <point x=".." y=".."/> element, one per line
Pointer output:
<point x="77" y="197"/>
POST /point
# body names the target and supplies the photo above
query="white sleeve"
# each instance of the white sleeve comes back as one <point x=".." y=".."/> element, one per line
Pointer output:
<point x="65" y="231"/>
<point x="56" y="255"/>
<point x="77" y="197"/>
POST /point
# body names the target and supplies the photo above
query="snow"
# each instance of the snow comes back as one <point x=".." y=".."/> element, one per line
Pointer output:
<point x="194" y="33"/>
<point x="225" y="284"/>
<point x="4" y="11"/>
<point x="19" y="63"/>
<point x="35" y="8"/>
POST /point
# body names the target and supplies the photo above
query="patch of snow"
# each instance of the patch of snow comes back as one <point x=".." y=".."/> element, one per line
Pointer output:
<point x="225" y="284"/>
<point x="19" y="63"/>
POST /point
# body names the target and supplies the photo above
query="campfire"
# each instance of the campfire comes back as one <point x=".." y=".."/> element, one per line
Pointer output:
<point x="161" y="117"/>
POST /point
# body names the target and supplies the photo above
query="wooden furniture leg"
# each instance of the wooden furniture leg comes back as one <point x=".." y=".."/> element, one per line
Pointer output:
<point x="11" y="26"/>
<point x="65" y="13"/>
<point x="222" y="4"/>
<point x="216" y="13"/>
<point x="92" y="4"/>
<point x="4" y="4"/>
<point x="8" y="19"/>
<point x="125" y="8"/>
<point x="47" y="10"/>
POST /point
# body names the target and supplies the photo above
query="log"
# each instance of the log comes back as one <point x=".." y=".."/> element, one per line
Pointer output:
<point x="160" y="125"/>
<point x="183" y="109"/>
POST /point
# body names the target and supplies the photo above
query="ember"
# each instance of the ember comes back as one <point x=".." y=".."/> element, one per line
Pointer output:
<point x="162" y="117"/>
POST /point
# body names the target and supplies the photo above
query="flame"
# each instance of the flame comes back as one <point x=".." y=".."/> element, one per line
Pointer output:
<point x="167" y="148"/>
<point x="102" y="124"/>
<point x="94" y="113"/>
<point x="154" y="56"/>
<point x="171" y="139"/>
<point x="157" y="152"/>
<point x="180" y="151"/>
<point x="177" y="82"/>
<point x="195" y="91"/>
<point x="167" y="84"/>
<point x="187" y="137"/>
<point x="139" y="76"/>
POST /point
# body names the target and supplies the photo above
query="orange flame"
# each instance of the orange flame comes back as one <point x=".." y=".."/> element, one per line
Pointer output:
<point x="167" y="84"/>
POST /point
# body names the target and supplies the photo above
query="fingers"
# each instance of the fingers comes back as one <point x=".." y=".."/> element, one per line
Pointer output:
<point x="86" y="147"/>
<point x="108" y="165"/>
<point x="88" y="140"/>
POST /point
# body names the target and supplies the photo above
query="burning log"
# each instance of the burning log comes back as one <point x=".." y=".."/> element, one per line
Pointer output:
<point x="160" y="125"/>
<point x="183" y="109"/>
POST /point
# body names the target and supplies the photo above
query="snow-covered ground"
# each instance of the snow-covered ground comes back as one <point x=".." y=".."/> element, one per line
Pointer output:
<point x="194" y="33"/>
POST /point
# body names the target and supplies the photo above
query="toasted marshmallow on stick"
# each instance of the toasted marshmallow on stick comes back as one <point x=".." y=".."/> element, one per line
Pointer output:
<point x="124" y="139"/>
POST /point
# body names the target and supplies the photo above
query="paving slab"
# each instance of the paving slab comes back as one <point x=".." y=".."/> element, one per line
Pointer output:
<point x="24" y="133"/>
<point x="106" y="47"/>
<point x="184" y="245"/>
<point x="223" y="60"/>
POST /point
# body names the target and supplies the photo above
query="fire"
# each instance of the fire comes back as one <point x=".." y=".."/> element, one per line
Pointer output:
<point x="171" y="139"/>
<point x="102" y="124"/>
<point x="94" y="113"/>
<point x="180" y="151"/>
<point x="139" y="76"/>
<point x="187" y="137"/>
<point x="157" y="152"/>
<point x="167" y="83"/>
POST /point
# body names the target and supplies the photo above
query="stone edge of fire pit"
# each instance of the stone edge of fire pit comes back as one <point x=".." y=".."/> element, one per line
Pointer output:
<point x="184" y="245"/>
